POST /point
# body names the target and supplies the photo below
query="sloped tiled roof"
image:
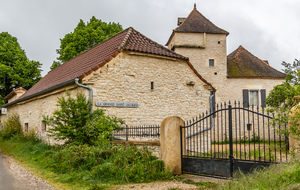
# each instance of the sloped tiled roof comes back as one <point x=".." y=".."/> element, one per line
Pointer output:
<point x="97" y="57"/>
<point x="197" y="23"/>
<point x="242" y="64"/>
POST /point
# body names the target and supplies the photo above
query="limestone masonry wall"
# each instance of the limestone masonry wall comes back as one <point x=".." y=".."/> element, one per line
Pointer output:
<point x="32" y="111"/>
<point x="232" y="89"/>
<point x="128" y="78"/>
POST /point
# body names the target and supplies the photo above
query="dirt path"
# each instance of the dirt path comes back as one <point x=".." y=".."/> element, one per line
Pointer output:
<point x="156" y="186"/>
<point x="15" y="177"/>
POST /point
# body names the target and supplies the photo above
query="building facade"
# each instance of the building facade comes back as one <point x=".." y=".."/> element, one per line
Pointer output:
<point x="142" y="82"/>
<point x="240" y="76"/>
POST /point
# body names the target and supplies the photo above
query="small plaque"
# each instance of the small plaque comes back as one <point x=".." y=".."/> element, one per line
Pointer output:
<point x="3" y="111"/>
<point x="117" y="104"/>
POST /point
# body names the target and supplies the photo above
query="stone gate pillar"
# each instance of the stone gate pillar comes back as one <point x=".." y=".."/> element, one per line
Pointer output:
<point x="170" y="143"/>
<point x="294" y="143"/>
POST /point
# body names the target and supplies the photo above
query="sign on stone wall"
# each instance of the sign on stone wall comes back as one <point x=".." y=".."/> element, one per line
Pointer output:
<point x="3" y="110"/>
<point x="117" y="104"/>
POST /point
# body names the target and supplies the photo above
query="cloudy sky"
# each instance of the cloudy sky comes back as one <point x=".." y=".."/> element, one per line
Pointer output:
<point x="270" y="29"/>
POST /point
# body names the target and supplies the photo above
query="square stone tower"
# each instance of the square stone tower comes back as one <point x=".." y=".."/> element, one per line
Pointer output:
<point x="204" y="44"/>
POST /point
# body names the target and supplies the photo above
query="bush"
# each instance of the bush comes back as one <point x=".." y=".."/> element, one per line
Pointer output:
<point x="11" y="127"/>
<point x="74" y="123"/>
<point x="30" y="136"/>
<point x="106" y="163"/>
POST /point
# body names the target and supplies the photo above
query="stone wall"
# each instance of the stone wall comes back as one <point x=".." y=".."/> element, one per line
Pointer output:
<point x="232" y="89"/>
<point x="211" y="46"/>
<point x="128" y="77"/>
<point x="152" y="146"/>
<point x="32" y="111"/>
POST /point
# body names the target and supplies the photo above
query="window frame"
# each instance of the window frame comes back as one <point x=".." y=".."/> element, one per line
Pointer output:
<point x="43" y="127"/>
<point x="211" y="62"/>
<point x="261" y="97"/>
<point x="251" y="99"/>
<point x="26" y="127"/>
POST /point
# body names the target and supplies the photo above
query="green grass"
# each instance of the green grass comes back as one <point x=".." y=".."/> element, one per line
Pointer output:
<point x="87" y="167"/>
<point x="279" y="176"/>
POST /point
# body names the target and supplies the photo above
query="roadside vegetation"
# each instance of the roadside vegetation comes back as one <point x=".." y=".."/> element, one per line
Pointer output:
<point x="87" y="160"/>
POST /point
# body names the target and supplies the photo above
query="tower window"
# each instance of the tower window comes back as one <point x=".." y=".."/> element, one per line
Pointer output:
<point x="152" y="85"/>
<point x="211" y="62"/>
<point x="219" y="42"/>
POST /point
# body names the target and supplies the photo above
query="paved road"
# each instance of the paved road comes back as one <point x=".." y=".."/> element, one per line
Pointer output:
<point x="6" y="180"/>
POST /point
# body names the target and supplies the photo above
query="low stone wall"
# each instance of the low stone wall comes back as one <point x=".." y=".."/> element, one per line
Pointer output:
<point x="152" y="146"/>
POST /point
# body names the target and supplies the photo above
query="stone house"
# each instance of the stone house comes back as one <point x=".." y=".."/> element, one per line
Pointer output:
<point x="239" y="76"/>
<point x="142" y="82"/>
<point x="129" y="75"/>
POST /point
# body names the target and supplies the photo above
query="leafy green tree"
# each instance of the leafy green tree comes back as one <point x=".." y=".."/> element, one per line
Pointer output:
<point x="15" y="68"/>
<point x="74" y="123"/>
<point x="281" y="96"/>
<point x="83" y="38"/>
<point x="280" y="100"/>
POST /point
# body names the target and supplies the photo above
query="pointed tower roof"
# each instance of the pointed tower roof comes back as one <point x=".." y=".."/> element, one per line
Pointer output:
<point x="197" y="23"/>
<point x="242" y="64"/>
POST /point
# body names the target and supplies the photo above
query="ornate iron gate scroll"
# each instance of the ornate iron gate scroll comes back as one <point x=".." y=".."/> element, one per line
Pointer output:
<point x="230" y="139"/>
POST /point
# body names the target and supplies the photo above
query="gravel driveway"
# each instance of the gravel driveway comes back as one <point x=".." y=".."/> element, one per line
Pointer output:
<point x="15" y="177"/>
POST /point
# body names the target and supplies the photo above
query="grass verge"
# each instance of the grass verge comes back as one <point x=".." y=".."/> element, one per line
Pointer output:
<point x="87" y="167"/>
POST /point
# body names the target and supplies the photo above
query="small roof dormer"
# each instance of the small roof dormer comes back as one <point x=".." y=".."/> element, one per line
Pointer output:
<point x="15" y="94"/>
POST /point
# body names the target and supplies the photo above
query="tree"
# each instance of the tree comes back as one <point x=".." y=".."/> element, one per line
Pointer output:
<point x="74" y="123"/>
<point x="281" y="96"/>
<point x="280" y="100"/>
<point x="83" y="38"/>
<point x="16" y="70"/>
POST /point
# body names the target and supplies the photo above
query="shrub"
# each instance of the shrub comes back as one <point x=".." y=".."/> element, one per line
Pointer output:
<point x="30" y="136"/>
<point x="74" y="123"/>
<point x="106" y="163"/>
<point x="11" y="127"/>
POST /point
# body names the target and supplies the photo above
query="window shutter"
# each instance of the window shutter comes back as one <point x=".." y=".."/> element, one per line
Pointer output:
<point x="263" y="97"/>
<point x="245" y="98"/>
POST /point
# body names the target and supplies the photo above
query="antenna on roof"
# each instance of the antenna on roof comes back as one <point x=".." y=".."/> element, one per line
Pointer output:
<point x="195" y="6"/>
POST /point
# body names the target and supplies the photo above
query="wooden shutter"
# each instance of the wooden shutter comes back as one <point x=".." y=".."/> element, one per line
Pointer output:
<point x="263" y="97"/>
<point x="245" y="98"/>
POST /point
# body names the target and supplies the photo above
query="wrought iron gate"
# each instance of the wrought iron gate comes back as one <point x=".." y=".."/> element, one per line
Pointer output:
<point x="230" y="139"/>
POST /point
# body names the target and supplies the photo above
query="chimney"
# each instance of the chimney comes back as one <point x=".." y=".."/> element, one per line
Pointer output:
<point x="180" y="20"/>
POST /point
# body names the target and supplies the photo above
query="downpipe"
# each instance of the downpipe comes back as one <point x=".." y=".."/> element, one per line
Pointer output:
<point x="91" y="92"/>
<point x="211" y="118"/>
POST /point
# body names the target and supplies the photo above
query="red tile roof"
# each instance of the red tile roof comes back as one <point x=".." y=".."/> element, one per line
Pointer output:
<point x="242" y="64"/>
<point x="197" y="23"/>
<point x="97" y="57"/>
